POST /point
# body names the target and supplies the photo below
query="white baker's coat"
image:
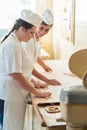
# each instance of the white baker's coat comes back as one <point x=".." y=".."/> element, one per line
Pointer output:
<point x="13" y="59"/>
<point x="33" y="47"/>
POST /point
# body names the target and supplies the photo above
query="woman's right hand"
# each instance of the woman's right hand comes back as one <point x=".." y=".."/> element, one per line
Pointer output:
<point x="44" y="94"/>
<point x="40" y="85"/>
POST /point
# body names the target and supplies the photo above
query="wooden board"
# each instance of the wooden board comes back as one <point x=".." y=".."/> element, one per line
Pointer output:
<point x="50" y="119"/>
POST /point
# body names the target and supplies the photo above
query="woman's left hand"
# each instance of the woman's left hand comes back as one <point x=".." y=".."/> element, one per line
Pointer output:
<point x="47" y="68"/>
<point x="53" y="82"/>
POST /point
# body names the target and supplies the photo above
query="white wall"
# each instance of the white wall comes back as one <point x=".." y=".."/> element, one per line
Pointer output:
<point x="63" y="48"/>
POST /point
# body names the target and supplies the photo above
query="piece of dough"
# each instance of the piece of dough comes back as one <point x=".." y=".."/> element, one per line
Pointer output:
<point x="52" y="109"/>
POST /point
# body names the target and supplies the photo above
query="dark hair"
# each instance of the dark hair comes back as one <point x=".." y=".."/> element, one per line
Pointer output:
<point x="46" y="23"/>
<point x="17" y="25"/>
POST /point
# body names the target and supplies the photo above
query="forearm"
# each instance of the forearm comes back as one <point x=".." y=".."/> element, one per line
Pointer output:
<point x="39" y="75"/>
<point x="43" y="65"/>
<point x="40" y="61"/>
<point x="23" y="82"/>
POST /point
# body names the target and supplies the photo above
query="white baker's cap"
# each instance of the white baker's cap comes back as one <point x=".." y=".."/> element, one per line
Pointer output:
<point x="48" y="17"/>
<point x="31" y="17"/>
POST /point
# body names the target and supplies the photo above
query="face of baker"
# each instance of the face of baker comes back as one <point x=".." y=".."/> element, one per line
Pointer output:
<point x="27" y="33"/>
<point x="43" y="30"/>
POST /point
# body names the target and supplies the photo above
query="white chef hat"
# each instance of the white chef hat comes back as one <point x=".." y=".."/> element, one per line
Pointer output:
<point x="31" y="17"/>
<point x="48" y="17"/>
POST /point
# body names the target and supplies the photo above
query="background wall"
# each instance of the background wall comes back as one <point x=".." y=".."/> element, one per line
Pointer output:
<point x="63" y="47"/>
<point x="64" y="27"/>
<point x="47" y="40"/>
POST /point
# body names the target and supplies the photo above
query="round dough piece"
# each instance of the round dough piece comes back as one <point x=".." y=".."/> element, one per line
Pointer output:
<point x="52" y="109"/>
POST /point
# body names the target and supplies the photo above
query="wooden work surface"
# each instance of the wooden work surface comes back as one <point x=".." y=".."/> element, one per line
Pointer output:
<point x="62" y="73"/>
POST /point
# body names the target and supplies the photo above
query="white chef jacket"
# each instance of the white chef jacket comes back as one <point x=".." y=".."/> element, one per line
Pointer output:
<point x="13" y="59"/>
<point x="33" y="47"/>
